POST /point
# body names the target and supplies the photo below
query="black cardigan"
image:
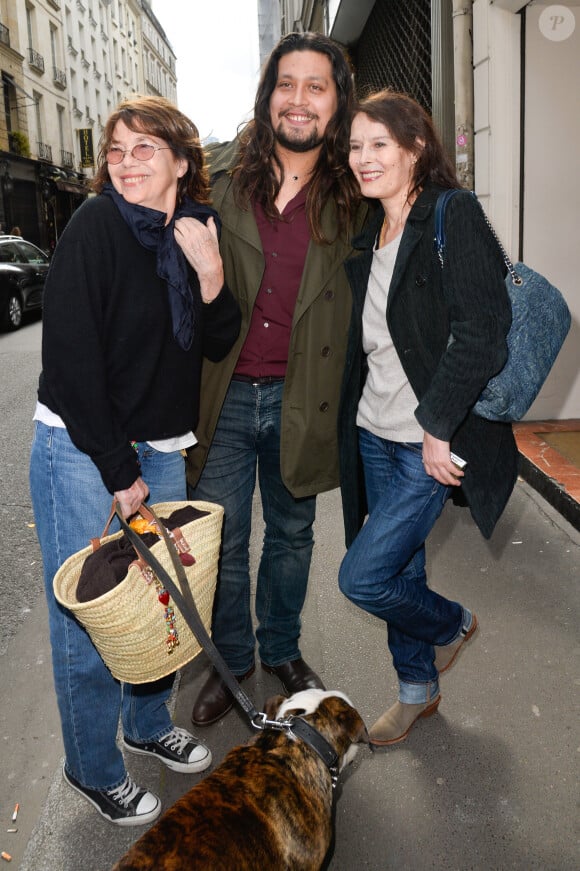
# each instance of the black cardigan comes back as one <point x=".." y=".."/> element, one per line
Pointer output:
<point x="112" y="369"/>
<point x="425" y="305"/>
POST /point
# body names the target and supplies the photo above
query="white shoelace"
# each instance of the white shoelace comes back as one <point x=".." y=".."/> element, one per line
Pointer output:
<point x="177" y="739"/>
<point x="125" y="793"/>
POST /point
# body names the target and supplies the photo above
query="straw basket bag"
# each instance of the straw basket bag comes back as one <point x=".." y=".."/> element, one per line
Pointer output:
<point x="127" y="624"/>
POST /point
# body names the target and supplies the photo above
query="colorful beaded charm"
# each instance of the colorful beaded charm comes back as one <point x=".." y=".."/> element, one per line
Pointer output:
<point x="172" y="639"/>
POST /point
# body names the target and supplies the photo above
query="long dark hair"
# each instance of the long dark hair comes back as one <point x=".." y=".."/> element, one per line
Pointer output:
<point x="161" y="118"/>
<point x="407" y="121"/>
<point x="254" y="176"/>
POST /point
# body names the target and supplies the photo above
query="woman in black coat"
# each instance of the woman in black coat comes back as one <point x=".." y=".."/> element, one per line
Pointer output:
<point x="424" y="341"/>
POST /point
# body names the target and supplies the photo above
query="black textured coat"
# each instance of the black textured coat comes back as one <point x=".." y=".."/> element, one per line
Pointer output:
<point x="426" y="305"/>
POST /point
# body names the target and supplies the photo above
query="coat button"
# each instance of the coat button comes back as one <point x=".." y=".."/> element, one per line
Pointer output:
<point x="325" y="352"/>
<point x="328" y="295"/>
<point x="323" y="406"/>
<point x="420" y="281"/>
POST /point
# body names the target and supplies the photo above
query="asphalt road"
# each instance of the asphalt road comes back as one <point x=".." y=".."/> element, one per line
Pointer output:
<point x="30" y="732"/>
<point x="20" y="578"/>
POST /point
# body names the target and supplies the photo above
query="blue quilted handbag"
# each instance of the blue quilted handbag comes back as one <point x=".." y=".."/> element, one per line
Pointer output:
<point x="540" y="323"/>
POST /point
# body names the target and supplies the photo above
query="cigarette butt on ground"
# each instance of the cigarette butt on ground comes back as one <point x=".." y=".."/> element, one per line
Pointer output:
<point x="15" y="814"/>
<point x="6" y="856"/>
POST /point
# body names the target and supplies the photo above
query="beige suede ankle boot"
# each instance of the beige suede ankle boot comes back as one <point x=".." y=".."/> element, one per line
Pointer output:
<point x="396" y="723"/>
<point x="446" y="656"/>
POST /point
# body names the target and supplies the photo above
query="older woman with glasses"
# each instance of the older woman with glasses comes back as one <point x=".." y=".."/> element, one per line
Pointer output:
<point x="134" y="298"/>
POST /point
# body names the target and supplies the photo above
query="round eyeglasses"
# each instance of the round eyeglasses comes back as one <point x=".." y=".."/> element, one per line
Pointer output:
<point x="143" y="151"/>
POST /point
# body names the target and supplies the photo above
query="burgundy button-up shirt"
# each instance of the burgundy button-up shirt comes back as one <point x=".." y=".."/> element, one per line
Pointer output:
<point x="284" y="243"/>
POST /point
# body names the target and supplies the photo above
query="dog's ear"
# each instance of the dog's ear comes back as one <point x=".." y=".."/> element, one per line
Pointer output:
<point x="272" y="705"/>
<point x="357" y="729"/>
<point x="349" y="719"/>
<point x="364" y="736"/>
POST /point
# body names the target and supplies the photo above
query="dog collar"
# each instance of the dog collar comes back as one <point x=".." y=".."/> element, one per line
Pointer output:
<point x="302" y="730"/>
<point x="307" y="733"/>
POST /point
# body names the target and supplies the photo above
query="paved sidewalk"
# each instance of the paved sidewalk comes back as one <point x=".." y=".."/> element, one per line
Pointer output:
<point x="489" y="783"/>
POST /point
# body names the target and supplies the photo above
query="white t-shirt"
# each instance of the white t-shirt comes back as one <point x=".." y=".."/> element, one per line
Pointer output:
<point x="164" y="446"/>
<point x="387" y="405"/>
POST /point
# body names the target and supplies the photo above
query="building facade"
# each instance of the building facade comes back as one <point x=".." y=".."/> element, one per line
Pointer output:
<point x="65" y="64"/>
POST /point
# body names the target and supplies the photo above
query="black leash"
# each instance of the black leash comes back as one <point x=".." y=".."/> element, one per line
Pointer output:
<point x="188" y="609"/>
<point x="295" y="726"/>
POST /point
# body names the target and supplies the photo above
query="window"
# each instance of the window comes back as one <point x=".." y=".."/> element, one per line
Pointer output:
<point x="27" y="253"/>
<point x="29" y="26"/>
<point x="53" y="46"/>
<point x="60" y="118"/>
<point x="38" y="114"/>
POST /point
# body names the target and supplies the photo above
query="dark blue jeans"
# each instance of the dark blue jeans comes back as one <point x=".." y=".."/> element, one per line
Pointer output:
<point x="248" y="438"/>
<point x="383" y="571"/>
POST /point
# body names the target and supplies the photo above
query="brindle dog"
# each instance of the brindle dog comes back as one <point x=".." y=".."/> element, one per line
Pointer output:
<point x="268" y="806"/>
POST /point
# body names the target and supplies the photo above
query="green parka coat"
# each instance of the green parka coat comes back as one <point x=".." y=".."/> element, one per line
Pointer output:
<point x="308" y="444"/>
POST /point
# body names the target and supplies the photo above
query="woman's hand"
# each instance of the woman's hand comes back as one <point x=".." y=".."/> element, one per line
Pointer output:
<point x="437" y="461"/>
<point x="199" y="243"/>
<point x="129" y="500"/>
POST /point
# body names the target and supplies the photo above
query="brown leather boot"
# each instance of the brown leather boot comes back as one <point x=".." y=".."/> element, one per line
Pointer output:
<point x="214" y="699"/>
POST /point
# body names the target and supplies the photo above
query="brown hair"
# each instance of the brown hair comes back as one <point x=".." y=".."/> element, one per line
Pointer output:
<point x="407" y="121"/>
<point x="254" y="176"/>
<point x="161" y="118"/>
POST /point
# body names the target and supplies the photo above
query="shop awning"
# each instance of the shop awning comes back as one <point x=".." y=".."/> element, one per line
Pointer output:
<point x="70" y="187"/>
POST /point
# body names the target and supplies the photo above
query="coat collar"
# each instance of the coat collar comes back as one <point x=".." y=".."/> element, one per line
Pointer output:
<point x="418" y="223"/>
<point x="418" y="216"/>
<point x="221" y="159"/>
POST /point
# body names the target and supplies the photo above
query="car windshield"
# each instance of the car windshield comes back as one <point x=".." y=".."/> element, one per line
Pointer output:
<point x="30" y="253"/>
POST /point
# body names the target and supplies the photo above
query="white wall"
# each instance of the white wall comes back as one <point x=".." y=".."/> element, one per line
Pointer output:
<point x="551" y="238"/>
<point x="496" y="60"/>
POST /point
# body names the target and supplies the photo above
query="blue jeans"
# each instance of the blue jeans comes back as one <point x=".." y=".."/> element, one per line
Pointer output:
<point x="248" y="437"/>
<point x="71" y="505"/>
<point x="383" y="571"/>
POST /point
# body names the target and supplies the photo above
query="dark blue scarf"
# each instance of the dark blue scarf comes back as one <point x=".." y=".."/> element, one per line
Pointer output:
<point x="148" y="227"/>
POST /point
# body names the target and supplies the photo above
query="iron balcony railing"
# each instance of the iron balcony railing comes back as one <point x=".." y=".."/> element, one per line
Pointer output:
<point x="44" y="151"/>
<point x="35" y="60"/>
<point x="59" y="77"/>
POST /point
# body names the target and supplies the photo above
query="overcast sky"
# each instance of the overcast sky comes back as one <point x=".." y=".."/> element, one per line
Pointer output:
<point x="216" y="44"/>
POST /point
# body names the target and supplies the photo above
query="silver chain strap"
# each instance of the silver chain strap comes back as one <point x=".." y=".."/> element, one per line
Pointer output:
<point x="516" y="279"/>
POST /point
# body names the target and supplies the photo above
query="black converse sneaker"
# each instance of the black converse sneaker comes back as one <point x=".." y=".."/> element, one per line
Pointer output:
<point x="178" y="749"/>
<point x="126" y="805"/>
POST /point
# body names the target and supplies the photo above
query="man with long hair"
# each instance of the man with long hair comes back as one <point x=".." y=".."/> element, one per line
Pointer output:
<point x="288" y="206"/>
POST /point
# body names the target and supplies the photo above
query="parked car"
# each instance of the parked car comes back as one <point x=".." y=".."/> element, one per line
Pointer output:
<point x="23" y="269"/>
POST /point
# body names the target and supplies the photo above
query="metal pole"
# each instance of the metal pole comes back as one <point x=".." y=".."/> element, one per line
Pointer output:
<point x="463" y="73"/>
